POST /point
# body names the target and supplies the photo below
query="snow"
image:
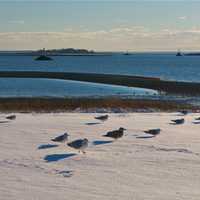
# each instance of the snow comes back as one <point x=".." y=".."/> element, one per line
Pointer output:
<point x="134" y="167"/>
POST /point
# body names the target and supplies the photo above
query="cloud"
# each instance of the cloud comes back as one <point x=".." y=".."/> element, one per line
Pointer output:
<point x="68" y="29"/>
<point x="182" y="18"/>
<point x="136" y="38"/>
<point x="17" y="22"/>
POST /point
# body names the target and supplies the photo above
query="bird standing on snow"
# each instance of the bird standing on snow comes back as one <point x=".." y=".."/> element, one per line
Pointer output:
<point x="178" y="121"/>
<point x="80" y="144"/>
<point x="184" y="112"/>
<point x="102" y="117"/>
<point x="11" y="117"/>
<point x="116" y="133"/>
<point x="153" y="132"/>
<point x="62" y="138"/>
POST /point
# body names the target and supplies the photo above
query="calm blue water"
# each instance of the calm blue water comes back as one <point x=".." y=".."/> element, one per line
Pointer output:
<point x="13" y="87"/>
<point x="164" y="65"/>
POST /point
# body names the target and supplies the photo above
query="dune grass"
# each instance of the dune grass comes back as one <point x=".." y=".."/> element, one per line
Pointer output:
<point x="85" y="104"/>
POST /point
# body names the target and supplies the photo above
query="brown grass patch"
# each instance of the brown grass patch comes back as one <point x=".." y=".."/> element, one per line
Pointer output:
<point x="70" y="104"/>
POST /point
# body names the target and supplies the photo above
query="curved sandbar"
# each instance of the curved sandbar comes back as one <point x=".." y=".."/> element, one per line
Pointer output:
<point x="170" y="87"/>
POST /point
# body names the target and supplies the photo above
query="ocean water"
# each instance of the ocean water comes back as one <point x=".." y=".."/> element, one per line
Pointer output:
<point x="22" y="87"/>
<point x="163" y="65"/>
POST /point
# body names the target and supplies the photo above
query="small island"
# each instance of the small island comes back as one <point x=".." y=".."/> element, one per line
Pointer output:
<point x="65" y="51"/>
<point x="43" y="58"/>
<point x="55" y="52"/>
<point x="179" y="53"/>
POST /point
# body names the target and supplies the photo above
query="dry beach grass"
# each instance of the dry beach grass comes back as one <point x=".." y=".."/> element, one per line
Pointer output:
<point x="85" y="104"/>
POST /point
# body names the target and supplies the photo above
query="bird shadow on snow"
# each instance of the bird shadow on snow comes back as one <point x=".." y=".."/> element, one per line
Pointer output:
<point x="196" y="122"/>
<point x="57" y="157"/>
<point x="2" y="122"/>
<point x="180" y="114"/>
<point x="175" y="124"/>
<point x="92" y="123"/>
<point x="47" y="146"/>
<point x="66" y="173"/>
<point x="100" y="142"/>
<point x="145" y="136"/>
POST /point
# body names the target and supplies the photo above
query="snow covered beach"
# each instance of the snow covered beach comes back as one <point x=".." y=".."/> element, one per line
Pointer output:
<point x="133" y="167"/>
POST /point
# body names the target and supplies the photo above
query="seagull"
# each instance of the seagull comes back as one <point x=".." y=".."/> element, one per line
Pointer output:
<point x="184" y="112"/>
<point x="61" y="138"/>
<point x="80" y="144"/>
<point x="116" y="133"/>
<point x="11" y="117"/>
<point x="102" y="117"/>
<point x="178" y="121"/>
<point x="153" y="132"/>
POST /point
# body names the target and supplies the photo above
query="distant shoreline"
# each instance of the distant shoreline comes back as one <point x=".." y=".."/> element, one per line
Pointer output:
<point x="56" y="54"/>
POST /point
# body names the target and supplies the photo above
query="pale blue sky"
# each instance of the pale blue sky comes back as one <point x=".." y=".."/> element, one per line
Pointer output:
<point x="158" y="20"/>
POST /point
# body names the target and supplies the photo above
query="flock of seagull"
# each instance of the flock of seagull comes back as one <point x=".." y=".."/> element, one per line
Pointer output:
<point x="82" y="144"/>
